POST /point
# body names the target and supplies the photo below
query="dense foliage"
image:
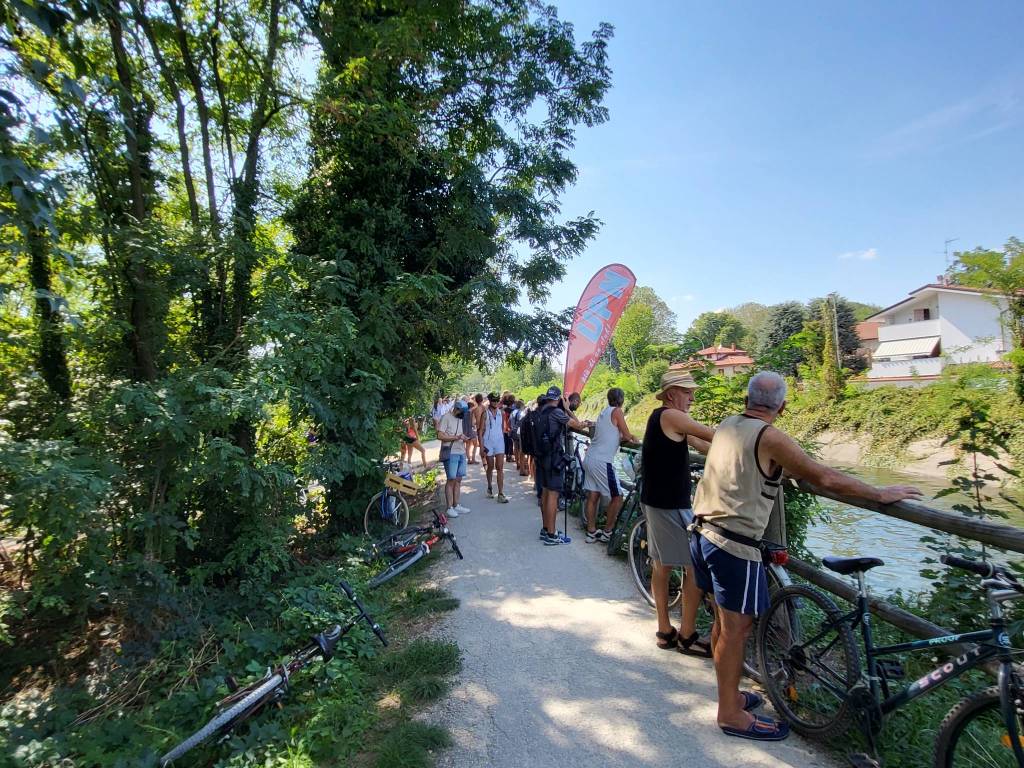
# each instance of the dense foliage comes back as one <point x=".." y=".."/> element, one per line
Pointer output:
<point x="232" y="276"/>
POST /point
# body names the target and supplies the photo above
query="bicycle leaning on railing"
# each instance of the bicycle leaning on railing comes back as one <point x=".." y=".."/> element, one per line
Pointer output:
<point x="244" y="702"/>
<point x="814" y="677"/>
<point x="408" y="546"/>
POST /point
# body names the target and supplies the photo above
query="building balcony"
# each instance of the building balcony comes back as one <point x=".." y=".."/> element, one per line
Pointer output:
<point x="901" y="331"/>
<point x="923" y="366"/>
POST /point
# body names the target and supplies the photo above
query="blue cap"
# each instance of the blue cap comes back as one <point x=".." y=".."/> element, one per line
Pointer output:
<point x="552" y="394"/>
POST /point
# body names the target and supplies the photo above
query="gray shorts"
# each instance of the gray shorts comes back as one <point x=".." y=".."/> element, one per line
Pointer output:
<point x="667" y="538"/>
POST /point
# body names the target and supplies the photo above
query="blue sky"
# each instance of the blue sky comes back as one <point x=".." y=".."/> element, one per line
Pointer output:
<point x="765" y="151"/>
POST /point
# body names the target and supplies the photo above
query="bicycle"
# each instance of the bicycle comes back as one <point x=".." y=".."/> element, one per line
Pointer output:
<point x="773" y="556"/>
<point x="244" y="702"/>
<point x="815" y="679"/>
<point x="629" y="513"/>
<point x="388" y="510"/>
<point x="410" y="545"/>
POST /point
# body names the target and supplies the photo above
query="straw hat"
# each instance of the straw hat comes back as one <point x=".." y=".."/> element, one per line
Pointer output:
<point x="675" y="378"/>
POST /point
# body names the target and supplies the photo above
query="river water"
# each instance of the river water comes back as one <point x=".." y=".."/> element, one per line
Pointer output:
<point x="854" y="531"/>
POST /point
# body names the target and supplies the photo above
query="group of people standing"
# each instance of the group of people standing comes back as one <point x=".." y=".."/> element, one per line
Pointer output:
<point x="716" y="539"/>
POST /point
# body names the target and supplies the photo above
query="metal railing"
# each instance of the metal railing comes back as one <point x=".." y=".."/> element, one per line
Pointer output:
<point x="999" y="535"/>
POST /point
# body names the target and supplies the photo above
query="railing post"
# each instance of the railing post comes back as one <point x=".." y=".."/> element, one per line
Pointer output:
<point x="776" y="530"/>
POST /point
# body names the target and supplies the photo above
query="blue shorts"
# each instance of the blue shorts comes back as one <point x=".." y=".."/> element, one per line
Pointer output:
<point x="455" y="466"/>
<point x="739" y="585"/>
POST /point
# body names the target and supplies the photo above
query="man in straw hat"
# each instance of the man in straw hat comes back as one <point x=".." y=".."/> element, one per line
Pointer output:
<point x="665" y="495"/>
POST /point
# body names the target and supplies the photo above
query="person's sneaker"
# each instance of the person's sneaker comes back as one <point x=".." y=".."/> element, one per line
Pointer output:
<point x="600" y="535"/>
<point x="461" y="509"/>
<point x="592" y="536"/>
<point x="490" y="493"/>
<point x="550" y="539"/>
<point x="502" y="499"/>
<point x="451" y="513"/>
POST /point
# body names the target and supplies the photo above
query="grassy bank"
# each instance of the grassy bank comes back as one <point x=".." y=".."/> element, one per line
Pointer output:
<point x="116" y="693"/>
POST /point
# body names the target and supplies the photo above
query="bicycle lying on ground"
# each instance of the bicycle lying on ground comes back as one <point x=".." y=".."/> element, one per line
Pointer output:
<point x="408" y="546"/>
<point x="814" y="677"/>
<point x="773" y="556"/>
<point x="244" y="702"/>
<point x="388" y="510"/>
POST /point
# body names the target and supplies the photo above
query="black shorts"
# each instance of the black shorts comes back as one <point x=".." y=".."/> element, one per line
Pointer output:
<point x="550" y="479"/>
<point x="407" y="439"/>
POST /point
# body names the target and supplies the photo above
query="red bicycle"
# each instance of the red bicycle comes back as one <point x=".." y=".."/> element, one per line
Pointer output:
<point x="410" y="545"/>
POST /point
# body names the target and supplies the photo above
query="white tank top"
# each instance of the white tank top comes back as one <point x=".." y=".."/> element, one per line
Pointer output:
<point x="605" y="442"/>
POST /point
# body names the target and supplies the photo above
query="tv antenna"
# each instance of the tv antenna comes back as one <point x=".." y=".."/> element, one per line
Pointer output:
<point x="945" y="248"/>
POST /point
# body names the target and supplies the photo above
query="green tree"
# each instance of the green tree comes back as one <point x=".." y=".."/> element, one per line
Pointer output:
<point x="664" y="329"/>
<point x="711" y="328"/>
<point x="753" y="317"/>
<point x="831" y="373"/>
<point x="633" y="335"/>
<point x="440" y="134"/>
<point x="783" y="322"/>
<point x="1003" y="273"/>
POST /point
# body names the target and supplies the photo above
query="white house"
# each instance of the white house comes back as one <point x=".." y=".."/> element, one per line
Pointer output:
<point x="938" y="324"/>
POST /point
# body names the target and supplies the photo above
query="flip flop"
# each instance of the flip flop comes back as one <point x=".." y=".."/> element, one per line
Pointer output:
<point x="695" y="645"/>
<point x="751" y="700"/>
<point x="761" y="729"/>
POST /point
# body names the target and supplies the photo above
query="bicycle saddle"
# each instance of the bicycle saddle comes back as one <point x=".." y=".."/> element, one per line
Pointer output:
<point x="848" y="565"/>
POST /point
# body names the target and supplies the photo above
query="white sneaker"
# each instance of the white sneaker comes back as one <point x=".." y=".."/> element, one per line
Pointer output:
<point x="451" y="512"/>
<point x="461" y="509"/>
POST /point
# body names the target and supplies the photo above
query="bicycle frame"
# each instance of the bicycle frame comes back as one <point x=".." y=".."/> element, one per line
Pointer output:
<point x="994" y="645"/>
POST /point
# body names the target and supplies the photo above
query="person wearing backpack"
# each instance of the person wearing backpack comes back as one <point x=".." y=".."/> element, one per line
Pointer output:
<point x="549" y="431"/>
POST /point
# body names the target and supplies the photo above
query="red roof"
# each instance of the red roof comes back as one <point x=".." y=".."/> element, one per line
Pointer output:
<point x="720" y="350"/>
<point x="867" y="331"/>
<point x="733" y="360"/>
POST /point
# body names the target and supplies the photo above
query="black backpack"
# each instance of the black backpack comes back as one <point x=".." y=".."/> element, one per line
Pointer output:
<point x="526" y="432"/>
<point x="546" y="441"/>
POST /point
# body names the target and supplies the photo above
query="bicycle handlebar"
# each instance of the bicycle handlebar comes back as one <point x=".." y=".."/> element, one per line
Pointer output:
<point x="363" y="614"/>
<point x="985" y="570"/>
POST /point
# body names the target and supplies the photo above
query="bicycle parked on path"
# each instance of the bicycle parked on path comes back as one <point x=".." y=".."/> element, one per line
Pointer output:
<point x="245" y="702"/>
<point x="408" y="546"/>
<point x="815" y="679"/>
<point x="388" y="510"/>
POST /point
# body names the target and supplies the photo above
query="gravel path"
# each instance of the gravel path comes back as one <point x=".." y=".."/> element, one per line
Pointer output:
<point x="559" y="662"/>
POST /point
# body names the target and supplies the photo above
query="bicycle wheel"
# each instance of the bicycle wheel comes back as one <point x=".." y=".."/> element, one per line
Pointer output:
<point x="627" y="517"/>
<point x="641" y="567"/>
<point x="387" y="512"/>
<point x="401" y="563"/>
<point x="223" y="720"/>
<point x="974" y="733"/>
<point x="388" y="546"/>
<point x="809" y="661"/>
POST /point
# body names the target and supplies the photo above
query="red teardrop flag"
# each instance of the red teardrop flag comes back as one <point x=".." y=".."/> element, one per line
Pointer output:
<point x="599" y="310"/>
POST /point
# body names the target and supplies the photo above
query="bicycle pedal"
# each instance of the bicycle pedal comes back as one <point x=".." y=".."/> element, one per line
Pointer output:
<point x="860" y="760"/>
<point x="891" y="669"/>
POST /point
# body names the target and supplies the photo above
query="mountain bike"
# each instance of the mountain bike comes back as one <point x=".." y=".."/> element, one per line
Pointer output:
<point x="388" y="510"/>
<point x="815" y="680"/>
<point x="410" y="545"/>
<point x="573" y="498"/>
<point x="774" y="558"/>
<point x="244" y="702"/>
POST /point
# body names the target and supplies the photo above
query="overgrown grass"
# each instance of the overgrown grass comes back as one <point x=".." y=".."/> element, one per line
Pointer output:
<point x="111" y="704"/>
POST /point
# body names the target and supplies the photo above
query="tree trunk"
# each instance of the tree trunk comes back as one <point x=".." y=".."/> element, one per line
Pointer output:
<point x="52" y="358"/>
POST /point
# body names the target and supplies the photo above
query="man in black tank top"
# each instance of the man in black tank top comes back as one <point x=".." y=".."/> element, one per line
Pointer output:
<point x="665" y="495"/>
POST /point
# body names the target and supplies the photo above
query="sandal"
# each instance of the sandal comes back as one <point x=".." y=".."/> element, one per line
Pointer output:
<point x="667" y="640"/>
<point x="751" y="700"/>
<point x="761" y="729"/>
<point x="694" y="645"/>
